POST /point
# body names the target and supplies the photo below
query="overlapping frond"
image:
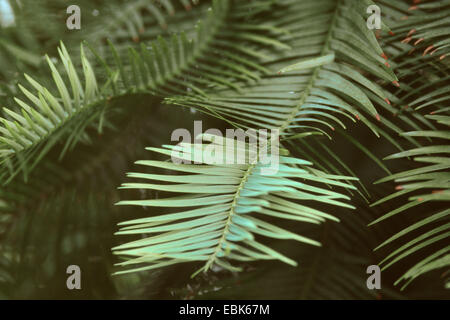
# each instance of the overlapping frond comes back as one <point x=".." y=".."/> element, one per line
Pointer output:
<point x="25" y="130"/>
<point x="338" y="77"/>
<point x="336" y="270"/>
<point x="165" y="68"/>
<point x="140" y="21"/>
<point x="297" y="104"/>
<point x="423" y="25"/>
<point x="25" y="42"/>
<point x="224" y="206"/>
<point x="427" y="182"/>
<point x="133" y="15"/>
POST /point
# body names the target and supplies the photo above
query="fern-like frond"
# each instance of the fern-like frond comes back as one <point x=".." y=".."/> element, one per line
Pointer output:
<point x="424" y="26"/>
<point x="429" y="183"/>
<point x="139" y="21"/>
<point x="25" y="130"/>
<point x="225" y="200"/>
<point x="163" y="69"/>
<point x="329" y="80"/>
<point x="335" y="80"/>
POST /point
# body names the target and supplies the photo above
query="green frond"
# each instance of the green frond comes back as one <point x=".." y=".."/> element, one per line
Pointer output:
<point x="429" y="182"/>
<point x="25" y="130"/>
<point x="132" y="16"/>
<point x="333" y="271"/>
<point x="222" y="225"/>
<point x="164" y="68"/>
<point x="335" y="80"/>
<point x="424" y="27"/>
